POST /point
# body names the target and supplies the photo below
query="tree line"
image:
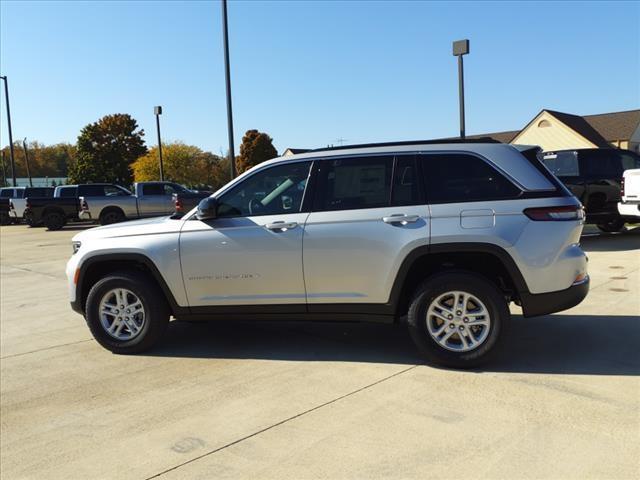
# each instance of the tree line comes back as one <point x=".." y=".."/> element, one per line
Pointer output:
<point x="113" y="150"/>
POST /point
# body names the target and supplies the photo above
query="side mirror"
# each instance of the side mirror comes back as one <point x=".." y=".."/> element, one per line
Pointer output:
<point x="207" y="209"/>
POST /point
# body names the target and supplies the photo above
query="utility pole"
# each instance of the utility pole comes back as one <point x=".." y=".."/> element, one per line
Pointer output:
<point x="225" y="34"/>
<point x="13" y="162"/>
<point x="158" y="111"/>
<point x="26" y="159"/>
<point x="461" y="48"/>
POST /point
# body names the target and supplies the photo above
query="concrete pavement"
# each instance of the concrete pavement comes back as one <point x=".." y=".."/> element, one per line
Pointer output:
<point x="286" y="400"/>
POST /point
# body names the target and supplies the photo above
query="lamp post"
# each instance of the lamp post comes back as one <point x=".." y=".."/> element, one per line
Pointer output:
<point x="26" y="159"/>
<point x="13" y="163"/>
<point x="461" y="48"/>
<point x="225" y="34"/>
<point x="158" y="111"/>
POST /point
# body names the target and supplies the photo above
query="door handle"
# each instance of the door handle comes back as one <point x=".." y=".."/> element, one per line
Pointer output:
<point x="401" y="218"/>
<point x="281" y="226"/>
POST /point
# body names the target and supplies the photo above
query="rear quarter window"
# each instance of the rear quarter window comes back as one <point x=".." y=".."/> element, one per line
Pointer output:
<point x="562" y="164"/>
<point x="455" y="178"/>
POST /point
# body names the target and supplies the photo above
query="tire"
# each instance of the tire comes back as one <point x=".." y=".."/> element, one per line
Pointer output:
<point x="155" y="313"/>
<point x="113" y="215"/>
<point x="54" y="221"/>
<point x="5" y="218"/>
<point x="612" y="226"/>
<point x="435" y="293"/>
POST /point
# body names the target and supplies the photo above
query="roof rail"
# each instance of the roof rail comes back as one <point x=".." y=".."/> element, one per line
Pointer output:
<point x="409" y="142"/>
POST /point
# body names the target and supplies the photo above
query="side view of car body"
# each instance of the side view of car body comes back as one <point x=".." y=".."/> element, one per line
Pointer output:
<point x="444" y="235"/>
<point x="113" y="204"/>
<point x="594" y="176"/>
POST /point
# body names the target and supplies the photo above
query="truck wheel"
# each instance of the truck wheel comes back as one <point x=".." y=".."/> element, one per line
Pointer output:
<point x="458" y="319"/>
<point x="54" y="221"/>
<point x="125" y="312"/>
<point x="111" y="216"/>
<point x="5" y="218"/>
<point x="28" y="219"/>
<point x="616" y="225"/>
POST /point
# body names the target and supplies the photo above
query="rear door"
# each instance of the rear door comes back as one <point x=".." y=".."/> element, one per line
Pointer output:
<point x="152" y="200"/>
<point x="368" y="214"/>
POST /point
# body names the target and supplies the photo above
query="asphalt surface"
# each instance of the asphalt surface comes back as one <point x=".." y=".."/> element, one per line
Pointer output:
<point x="298" y="401"/>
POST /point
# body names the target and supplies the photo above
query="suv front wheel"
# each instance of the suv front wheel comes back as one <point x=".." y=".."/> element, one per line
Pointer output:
<point x="125" y="312"/>
<point x="457" y="319"/>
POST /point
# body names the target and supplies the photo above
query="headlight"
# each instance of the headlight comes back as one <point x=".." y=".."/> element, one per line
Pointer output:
<point x="76" y="246"/>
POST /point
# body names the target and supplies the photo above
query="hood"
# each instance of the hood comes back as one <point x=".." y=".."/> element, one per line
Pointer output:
<point x="147" y="226"/>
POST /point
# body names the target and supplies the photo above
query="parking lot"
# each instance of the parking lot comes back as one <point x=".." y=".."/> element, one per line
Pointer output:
<point x="287" y="400"/>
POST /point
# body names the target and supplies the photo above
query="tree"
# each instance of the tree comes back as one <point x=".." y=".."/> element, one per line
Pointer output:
<point x="256" y="148"/>
<point x="44" y="160"/>
<point x="106" y="149"/>
<point x="185" y="164"/>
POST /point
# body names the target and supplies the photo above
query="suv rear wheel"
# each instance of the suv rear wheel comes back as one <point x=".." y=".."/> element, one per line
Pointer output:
<point x="457" y="319"/>
<point x="125" y="314"/>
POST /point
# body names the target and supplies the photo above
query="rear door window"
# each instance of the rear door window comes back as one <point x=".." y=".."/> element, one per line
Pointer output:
<point x="601" y="163"/>
<point x="406" y="188"/>
<point x="68" y="192"/>
<point x="354" y="183"/>
<point x="459" y="177"/>
<point x="153" y="189"/>
<point x="8" y="193"/>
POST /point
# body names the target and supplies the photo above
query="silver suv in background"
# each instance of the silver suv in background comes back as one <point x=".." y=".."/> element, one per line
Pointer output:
<point x="444" y="235"/>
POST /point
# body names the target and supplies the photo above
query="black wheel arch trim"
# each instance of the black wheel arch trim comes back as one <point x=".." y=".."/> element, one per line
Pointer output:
<point x="130" y="257"/>
<point x="457" y="247"/>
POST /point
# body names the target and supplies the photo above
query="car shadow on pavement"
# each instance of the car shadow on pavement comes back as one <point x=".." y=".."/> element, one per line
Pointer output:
<point x="559" y="344"/>
<point x="611" y="242"/>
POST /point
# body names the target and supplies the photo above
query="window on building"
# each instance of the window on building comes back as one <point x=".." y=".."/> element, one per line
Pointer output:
<point x="544" y="123"/>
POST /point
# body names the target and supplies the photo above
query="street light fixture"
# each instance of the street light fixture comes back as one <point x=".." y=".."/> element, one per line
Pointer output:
<point x="158" y="111"/>
<point x="13" y="162"/>
<point x="461" y="48"/>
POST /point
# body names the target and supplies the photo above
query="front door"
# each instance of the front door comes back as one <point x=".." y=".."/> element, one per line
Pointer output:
<point x="251" y="254"/>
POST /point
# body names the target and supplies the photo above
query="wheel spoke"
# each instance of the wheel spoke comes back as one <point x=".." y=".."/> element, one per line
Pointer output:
<point x="122" y="314"/>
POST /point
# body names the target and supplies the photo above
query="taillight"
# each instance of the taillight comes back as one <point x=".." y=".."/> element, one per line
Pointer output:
<point x="622" y="187"/>
<point x="84" y="205"/>
<point x="27" y="204"/>
<point x="178" y="205"/>
<point x="11" y="207"/>
<point x="546" y="214"/>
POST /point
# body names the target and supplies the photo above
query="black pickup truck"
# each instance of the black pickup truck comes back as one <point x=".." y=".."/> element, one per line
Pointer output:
<point x="5" y="218"/>
<point x="184" y="202"/>
<point x="54" y="212"/>
<point x="594" y="176"/>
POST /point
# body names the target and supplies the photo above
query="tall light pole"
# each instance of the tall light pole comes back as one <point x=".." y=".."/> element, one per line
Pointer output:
<point x="461" y="48"/>
<point x="26" y="159"/>
<point x="158" y="111"/>
<point x="13" y="162"/>
<point x="225" y="34"/>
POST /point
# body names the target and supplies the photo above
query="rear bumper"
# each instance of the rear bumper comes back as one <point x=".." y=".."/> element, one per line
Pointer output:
<point x="629" y="209"/>
<point x="534" y="305"/>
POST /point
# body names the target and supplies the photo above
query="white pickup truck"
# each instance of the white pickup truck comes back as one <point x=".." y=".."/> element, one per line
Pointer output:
<point x="629" y="206"/>
<point x="113" y="204"/>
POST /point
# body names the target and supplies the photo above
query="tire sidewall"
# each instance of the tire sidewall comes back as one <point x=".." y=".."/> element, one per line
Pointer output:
<point x="54" y="221"/>
<point x="110" y="217"/>
<point x="478" y="286"/>
<point x="156" y="313"/>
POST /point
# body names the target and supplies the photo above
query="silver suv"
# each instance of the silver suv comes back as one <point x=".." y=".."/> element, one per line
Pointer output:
<point x="446" y="235"/>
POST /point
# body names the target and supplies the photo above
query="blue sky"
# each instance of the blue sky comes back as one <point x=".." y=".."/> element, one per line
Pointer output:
<point x="309" y="73"/>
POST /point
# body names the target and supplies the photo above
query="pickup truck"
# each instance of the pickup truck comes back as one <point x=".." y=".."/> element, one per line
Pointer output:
<point x="629" y="206"/>
<point x="116" y="204"/>
<point x="5" y="219"/>
<point x="17" y="205"/>
<point x="55" y="212"/>
<point x="184" y="202"/>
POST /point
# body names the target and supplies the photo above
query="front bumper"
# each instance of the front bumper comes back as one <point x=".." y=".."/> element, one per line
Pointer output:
<point x="534" y="305"/>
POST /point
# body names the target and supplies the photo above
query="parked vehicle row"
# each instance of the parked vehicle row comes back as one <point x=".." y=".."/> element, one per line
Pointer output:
<point x="104" y="203"/>
<point x="595" y="176"/>
<point x="445" y="235"/>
